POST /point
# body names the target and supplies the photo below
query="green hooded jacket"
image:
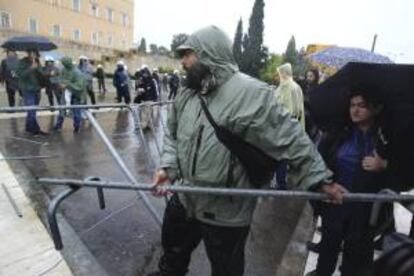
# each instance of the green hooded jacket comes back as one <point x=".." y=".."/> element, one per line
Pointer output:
<point x="73" y="79"/>
<point x="28" y="77"/>
<point x="192" y="154"/>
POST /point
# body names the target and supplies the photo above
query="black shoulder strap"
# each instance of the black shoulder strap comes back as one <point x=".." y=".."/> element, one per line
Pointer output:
<point x="207" y="113"/>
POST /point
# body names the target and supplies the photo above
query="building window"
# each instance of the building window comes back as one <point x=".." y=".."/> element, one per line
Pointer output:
<point x="110" y="14"/>
<point x="110" y="40"/>
<point x="76" y="4"/>
<point x="94" y="9"/>
<point x="56" y="30"/>
<point x="32" y="25"/>
<point x="5" y="20"/>
<point x="124" y="43"/>
<point x="55" y="2"/>
<point x="77" y="34"/>
<point x="95" y="38"/>
<point x="125" y="19"/>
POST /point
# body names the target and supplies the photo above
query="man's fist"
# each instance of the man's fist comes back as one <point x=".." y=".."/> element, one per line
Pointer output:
<point x="160" y="179"/>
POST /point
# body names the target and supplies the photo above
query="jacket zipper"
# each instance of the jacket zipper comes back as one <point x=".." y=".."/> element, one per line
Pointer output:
<point x="198" y="144"/>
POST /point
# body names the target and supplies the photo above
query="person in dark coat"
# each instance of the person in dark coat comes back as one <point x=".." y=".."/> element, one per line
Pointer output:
<point x="87" y="70"/>
<point x="9" y="77"/>
<point x="311" y="81"/>
<point x="156" y="77"/>
<point x="147" y="92"/>
<point x="100" y="75"/>
<point x="354" y="154"/>
<point x="174" y="83"/>
<point x="121" y="83"/>
<point x="51" y="74"/>
<point x="148" y="85"/>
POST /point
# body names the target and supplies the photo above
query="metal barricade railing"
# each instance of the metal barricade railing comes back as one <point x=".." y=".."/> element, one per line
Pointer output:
<point x="298" y="195"/>
<point x="133" y="184"/>
<point x="134" y="109"/>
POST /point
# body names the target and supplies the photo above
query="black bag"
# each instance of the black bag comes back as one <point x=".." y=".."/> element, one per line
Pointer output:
<point x="259" y="166"/>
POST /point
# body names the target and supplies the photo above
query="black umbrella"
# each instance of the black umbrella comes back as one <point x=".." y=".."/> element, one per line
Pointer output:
<point x="25" y="43"/>
<point x="329" y="106"/>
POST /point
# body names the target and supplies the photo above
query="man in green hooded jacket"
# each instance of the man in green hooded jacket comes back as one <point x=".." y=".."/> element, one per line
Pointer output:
<point x="29" y="75"/>
<point x="73" y="80"/>
<point x="193" y="156"/>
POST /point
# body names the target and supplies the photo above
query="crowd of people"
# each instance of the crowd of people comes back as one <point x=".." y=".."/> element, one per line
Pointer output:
<point x="66" y="82"/>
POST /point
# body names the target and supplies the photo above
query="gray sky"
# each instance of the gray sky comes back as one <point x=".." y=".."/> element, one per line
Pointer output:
<point x="344" y="23"/>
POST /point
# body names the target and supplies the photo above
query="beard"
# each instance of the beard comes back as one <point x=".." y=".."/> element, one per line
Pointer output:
<point x="196" y="74"/>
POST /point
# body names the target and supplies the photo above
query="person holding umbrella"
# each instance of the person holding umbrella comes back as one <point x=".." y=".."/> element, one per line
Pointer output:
<point x="29" y="74"/>
<point x="354" y="155"/>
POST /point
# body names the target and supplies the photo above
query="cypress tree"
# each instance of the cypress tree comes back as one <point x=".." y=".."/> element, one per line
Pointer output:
<point x="254" y="51"/>
<point x="237" y="43"/>
<point x="142" y="46"/>
<point x="291" y="54"/>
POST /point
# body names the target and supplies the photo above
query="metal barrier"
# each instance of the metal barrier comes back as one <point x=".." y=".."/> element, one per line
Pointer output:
<point x="298" y="195"/>
<point x="133" y="184"/>
<point x="134" y="109"/>
<point x="123" y="166"/>
<point x="348" y="197"/>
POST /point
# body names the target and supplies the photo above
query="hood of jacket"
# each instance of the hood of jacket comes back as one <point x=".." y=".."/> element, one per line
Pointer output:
<point x="214" y="49"/>
<point x="67" y="62"/>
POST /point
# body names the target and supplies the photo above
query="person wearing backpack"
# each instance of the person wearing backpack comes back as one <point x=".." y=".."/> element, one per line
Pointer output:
<point x="216" y="114"/>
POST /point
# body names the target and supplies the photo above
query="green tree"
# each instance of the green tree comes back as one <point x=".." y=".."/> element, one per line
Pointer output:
<point x="254" y="51"/>
<point x="142" y="48"/>
<point x="291" y="54"/>
<point x="269" y="73"/>
<point x="163" y="51"/>
<point x="302" y="64"/>
<point x="178" y="40"/>
<point x="238" y="43"/>
<point x="153" y="49"/>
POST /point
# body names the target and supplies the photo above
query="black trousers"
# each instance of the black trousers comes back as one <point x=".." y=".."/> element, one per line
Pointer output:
<point x="346" y="224"/>
<point x="11" y="95"/>
<point x="181" y="235"/>
<point x="50" y="94"/>
<point x="101" y="85"/>
<point x="173" y="93"/>
<point x="123" y="93"/>
<point x="89" y="90"/>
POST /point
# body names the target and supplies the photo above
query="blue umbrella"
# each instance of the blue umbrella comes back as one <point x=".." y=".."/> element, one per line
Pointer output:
<point x="25" y="43"/>
<point x="337" y="57"/>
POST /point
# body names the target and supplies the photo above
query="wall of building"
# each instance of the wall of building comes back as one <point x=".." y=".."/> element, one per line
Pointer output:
<point x="95" y="30"/>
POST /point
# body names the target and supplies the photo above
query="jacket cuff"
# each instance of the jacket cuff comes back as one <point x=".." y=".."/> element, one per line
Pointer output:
<point x="171" y="173"/>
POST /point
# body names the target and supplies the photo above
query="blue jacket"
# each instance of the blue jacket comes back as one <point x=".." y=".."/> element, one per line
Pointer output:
<point x="121" y="79"/>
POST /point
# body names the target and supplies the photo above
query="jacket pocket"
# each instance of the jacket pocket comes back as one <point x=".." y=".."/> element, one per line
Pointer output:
<point x="196" y="150"/>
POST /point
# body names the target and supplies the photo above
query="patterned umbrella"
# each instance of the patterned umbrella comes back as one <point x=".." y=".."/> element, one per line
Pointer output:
<point x="337" y="57"/>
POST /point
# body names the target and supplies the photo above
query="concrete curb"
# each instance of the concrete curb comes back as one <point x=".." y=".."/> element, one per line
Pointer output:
<point x="76" y="254"/>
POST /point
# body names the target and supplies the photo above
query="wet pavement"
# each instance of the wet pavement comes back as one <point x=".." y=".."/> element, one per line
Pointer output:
<point x="124" y="238"/>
